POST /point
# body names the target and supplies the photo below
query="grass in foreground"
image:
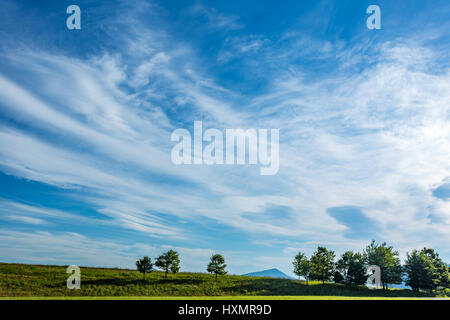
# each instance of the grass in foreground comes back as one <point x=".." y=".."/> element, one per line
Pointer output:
<point x="28" y="281"/>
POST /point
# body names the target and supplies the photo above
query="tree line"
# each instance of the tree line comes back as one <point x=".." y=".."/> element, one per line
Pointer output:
<point x="170" y="261"/>
<point x="422" y="270"/>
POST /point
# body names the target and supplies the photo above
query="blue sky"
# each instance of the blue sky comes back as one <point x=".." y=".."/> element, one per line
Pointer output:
<point x="86" y="117"/>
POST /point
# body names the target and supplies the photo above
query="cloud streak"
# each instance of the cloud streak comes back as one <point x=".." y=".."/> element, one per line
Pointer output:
<point x="359" y="128"/>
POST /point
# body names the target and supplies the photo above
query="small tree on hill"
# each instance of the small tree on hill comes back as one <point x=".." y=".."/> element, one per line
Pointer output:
<point x="144" y="265"/>
<point x="322" y="262"/>
<point x="337" y="277"/>
<point x="168" y="261"/>
<point x="217" y="265"/>
<point x="302" y="266"/>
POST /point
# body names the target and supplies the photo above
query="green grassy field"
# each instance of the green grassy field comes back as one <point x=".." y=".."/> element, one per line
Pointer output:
<point x="214" y="298"/>
<point x="18" y="280"/>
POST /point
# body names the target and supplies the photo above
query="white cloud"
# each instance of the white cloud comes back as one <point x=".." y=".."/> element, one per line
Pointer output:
<point x="378" y="139"/>
<point x="25" y="219"/>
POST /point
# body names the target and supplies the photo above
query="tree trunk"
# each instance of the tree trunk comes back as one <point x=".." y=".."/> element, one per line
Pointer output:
<point x="216" y="276"/>
<point x="165" y="275"/>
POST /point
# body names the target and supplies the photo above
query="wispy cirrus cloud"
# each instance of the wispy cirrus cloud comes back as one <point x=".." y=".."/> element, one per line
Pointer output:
<point x="216" y="20"/>
<point x="359" y="128"/>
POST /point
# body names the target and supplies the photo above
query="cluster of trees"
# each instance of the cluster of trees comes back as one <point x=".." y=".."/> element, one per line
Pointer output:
<point x="422" y="269"/>
<point x="170" y="261"/>
<point x="426" y="270"/>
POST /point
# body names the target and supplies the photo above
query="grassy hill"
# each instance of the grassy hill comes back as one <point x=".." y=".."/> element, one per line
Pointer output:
<point x="38" y="280"/>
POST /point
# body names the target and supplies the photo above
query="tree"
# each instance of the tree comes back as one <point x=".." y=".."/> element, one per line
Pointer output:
<point x="217" y="265"/>
<point x="425" y="270"/>
<point x="444" y="272"/>
<point x="414" y="270"/>
<point x="302" y="266"/>
<point x="440" y="276"/>
<point x="322" y="262"/>
<point x="168" y="261"/>
<point x="144" y="265"/>
<point x="353" y="269"/>
<point x="337" y="277"/>
<point x="387" y="259"/>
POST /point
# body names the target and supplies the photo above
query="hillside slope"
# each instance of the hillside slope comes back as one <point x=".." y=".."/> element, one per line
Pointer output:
<point x="38" y="280"/>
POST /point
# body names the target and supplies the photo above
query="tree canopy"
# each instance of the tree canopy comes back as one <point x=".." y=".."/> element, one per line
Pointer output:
<point x="387" y="259"/>
<point x="322" y="262"/>
<point x="425" y="270"/>
<point x="217" y="265"/>
<point x="168" y="261"/>
<point x="302" y="266"/>
<point x="144" y="265"/>
<point x="353" y="268"/>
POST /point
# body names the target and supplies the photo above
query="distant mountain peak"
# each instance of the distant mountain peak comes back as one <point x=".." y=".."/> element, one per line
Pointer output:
<point x="272" y="273"/>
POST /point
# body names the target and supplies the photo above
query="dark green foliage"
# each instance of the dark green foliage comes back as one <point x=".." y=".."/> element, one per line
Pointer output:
<point x="425" y="270"/>
<point x="414" y="269"/>
<point x="337" y="277"/>
<point x="387" y="259"/>
<point x="322" y="263"/>
<point x="444" y="272"/>
<point x="144" y="265"/>
<point x="37" y="280"/>
<point x="302" y="266"/>
<point x="168" y="261"/>
<point x="217" y="265"/>
<point x="353" y="268"/>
